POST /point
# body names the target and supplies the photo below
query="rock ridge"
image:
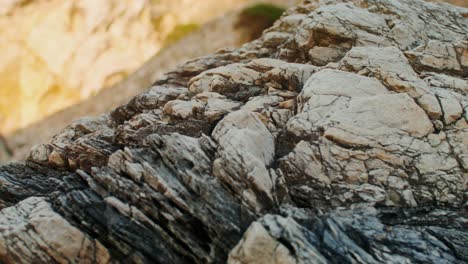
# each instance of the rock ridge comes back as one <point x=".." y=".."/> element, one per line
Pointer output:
<point x="339" y="136"/>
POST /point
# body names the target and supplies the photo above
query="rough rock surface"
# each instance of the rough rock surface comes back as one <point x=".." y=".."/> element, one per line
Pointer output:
<point x="221" y="33"/>
<point x="340" y="136"/>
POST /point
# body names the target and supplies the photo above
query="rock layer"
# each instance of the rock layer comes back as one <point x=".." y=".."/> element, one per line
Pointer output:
<point x="339" y="136"/>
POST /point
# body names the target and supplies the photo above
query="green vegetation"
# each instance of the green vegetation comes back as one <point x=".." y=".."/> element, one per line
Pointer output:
<point x="261" y="15"/>
<point x="256" y="18"/>
<point x="180" y="31"/>
<point x="265" y="10"/>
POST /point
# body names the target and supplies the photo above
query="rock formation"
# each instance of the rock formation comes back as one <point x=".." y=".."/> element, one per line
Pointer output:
<point x="339" y="136"/>
<point x="229" y="31"/>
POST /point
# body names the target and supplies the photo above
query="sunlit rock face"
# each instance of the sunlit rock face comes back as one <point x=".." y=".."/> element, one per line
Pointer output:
<point x="54" y="53"/>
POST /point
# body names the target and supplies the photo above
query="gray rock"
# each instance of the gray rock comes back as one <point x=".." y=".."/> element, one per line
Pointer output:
<point x="357" y="236"/>
<point x="339" y="136"/>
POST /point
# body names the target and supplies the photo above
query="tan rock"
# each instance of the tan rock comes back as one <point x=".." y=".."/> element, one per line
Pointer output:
<point x="304" y="164"/>
<point x="439" y="55"/>
<point x="56" y="159"/>
<point x="257" y="246"/>
<point x="217" y="107"/>
<point x="48" y="236"/>
<point x="40" y="153"/>
<point x="246" y="148"/>
<point x="450" y="106"/>
<point x="184" y="109"/>
<point x="340" y="83"/>
<point x="389" y="65"/>
<point x="429" y="103"/>
<point x="369" y="116"/>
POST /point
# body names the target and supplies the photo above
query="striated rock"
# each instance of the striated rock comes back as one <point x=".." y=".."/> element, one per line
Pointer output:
<point x="333" y="138"/>
<point x="204" y="40"/>
<point x="363" y="235"/>
<point x="33" y="232"/>
<point x="262" y="243"/>
<point x="246" y="149"/>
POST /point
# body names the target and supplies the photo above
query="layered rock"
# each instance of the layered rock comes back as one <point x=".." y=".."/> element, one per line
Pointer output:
<point x="339" y="136"/>
<point x="220" y="33"/>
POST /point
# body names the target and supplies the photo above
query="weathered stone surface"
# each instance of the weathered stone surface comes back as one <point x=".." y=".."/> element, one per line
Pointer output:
<point x="339" y="136"/>
<point x="262" y="243"/>
<point x="363" y="236"/>
<point x="32" y="232"/>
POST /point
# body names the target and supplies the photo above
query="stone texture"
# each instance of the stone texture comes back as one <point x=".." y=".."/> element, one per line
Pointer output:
<point x="278" y="152"/>
<point x="32" y="232"/>
<point x="339" y="236"/>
